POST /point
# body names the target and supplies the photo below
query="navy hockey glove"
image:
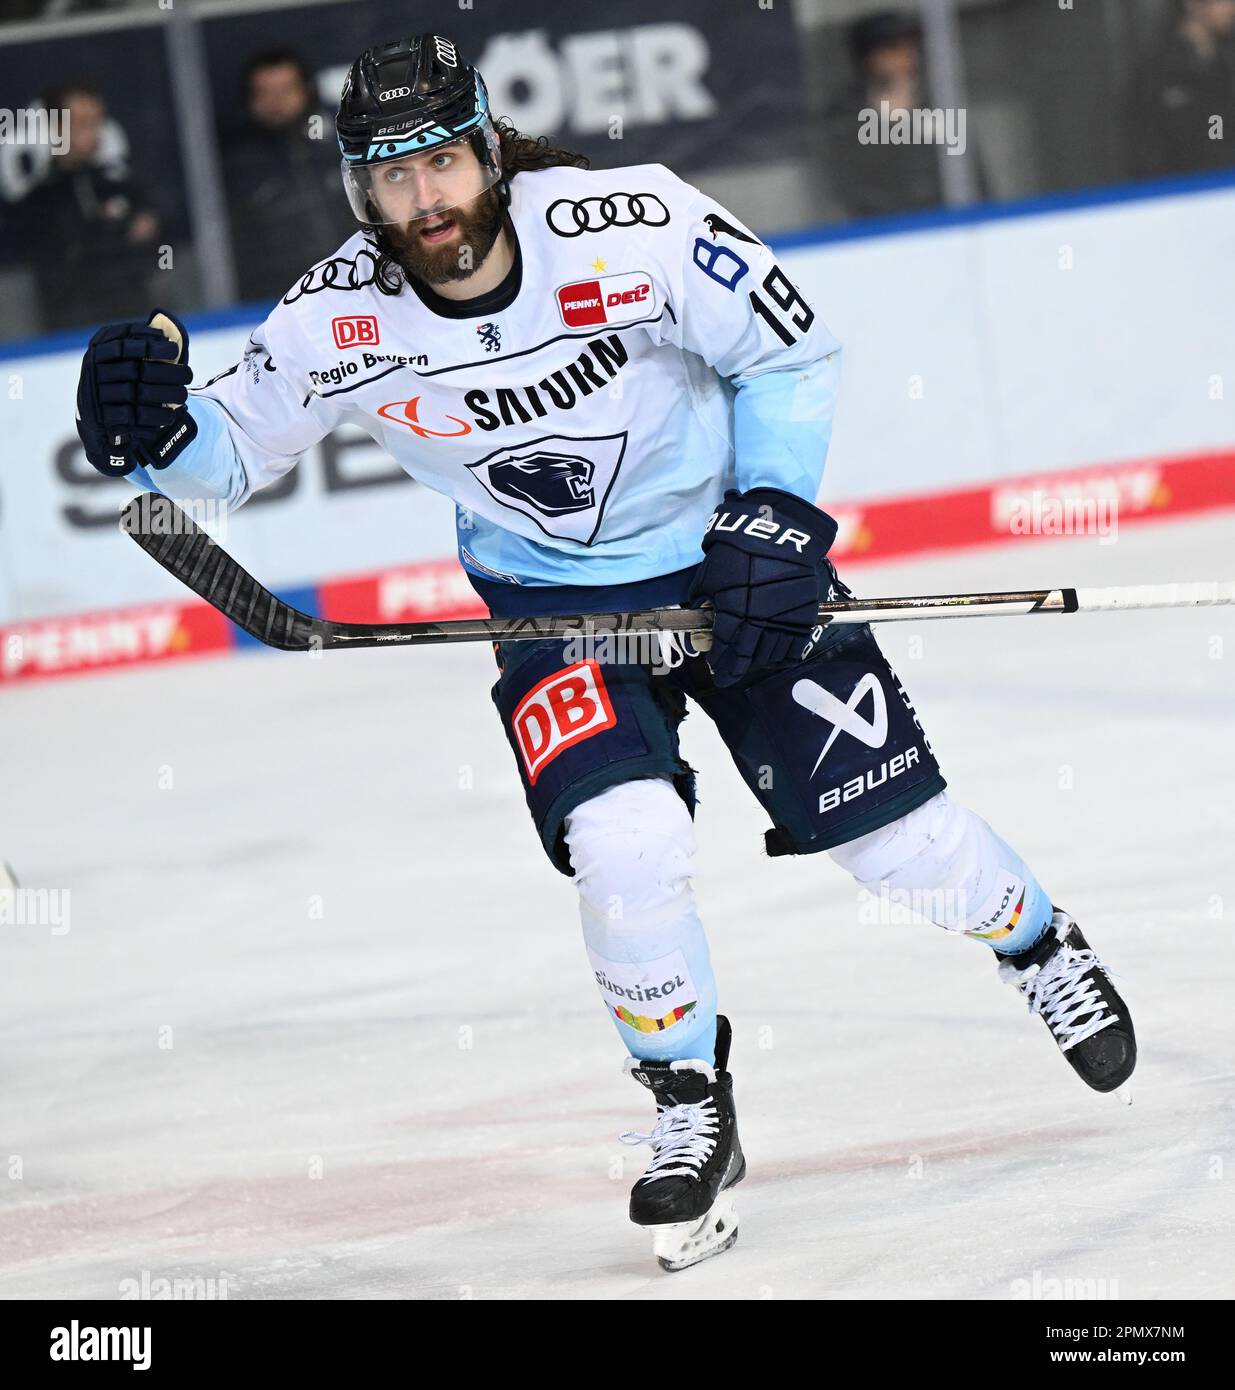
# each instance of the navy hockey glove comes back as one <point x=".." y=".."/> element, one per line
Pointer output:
<point x="131" y="395"/>
<point x="765" y="564"/>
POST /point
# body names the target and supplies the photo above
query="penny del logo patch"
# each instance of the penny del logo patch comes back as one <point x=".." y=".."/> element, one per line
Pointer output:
<point x="606" y="299"/>
<point x="560" y="711"/>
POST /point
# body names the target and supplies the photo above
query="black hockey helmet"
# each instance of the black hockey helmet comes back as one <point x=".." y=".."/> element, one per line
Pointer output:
<point x="410" y="97"/>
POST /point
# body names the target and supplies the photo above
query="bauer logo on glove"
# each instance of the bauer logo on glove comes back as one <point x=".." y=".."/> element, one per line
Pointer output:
<point x="765" y="563"/>
<point x="761" y="528"/>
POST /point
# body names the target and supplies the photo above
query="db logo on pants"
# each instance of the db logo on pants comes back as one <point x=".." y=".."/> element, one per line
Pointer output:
<point x="563" y="709"/>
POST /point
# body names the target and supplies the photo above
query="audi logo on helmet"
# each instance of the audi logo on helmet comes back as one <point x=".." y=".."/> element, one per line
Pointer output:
<point x="394" y="92"/>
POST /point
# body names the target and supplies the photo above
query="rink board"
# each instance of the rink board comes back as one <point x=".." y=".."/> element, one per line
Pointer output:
<point x="1053" y="341"/>
<point x="1093" y="502"/>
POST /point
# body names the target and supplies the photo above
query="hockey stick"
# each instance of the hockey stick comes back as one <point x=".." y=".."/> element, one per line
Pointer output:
<point x="164" y="532"/>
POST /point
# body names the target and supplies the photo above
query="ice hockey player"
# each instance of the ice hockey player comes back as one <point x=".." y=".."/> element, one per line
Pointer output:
<point x="630" y="403"/>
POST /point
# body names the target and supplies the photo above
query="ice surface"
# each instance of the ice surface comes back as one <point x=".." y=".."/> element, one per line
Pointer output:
<point x="339" y="910"/>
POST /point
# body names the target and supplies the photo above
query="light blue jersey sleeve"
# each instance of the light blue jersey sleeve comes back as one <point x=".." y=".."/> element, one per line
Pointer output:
<point x="210" y="467"/>
<point x="742" y="314"/>
<point x="782" y="426"/>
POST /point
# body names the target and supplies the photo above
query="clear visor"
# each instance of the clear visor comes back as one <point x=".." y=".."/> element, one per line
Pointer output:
<point x="401" y="190"/>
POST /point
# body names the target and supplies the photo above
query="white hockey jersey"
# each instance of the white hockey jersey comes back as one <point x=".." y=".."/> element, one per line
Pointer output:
<point x="645" y="354"/>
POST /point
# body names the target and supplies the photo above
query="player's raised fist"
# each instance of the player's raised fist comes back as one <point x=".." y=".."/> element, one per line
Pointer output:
<point x="131" y="395"/>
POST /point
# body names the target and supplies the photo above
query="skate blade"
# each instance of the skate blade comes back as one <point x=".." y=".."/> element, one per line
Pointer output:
<point x="687" y="1243"/>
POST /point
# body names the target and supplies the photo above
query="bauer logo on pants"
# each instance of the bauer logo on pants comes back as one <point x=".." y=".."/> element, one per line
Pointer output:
<point x="562" y="710"/>
<point x="847" y="718"/>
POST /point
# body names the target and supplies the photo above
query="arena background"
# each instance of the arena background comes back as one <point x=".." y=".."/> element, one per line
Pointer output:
<point x="291" y="1004"/>
<point x="1050" y="323"/>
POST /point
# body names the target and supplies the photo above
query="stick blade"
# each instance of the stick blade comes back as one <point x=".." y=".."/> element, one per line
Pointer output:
<point x="176" y="542"/>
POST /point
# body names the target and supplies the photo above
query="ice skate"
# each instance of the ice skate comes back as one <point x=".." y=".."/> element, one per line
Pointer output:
<point x="684" y="1197"/>
<point x="1062" y="979"/>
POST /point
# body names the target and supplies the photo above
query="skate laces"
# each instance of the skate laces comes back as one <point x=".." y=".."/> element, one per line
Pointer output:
<point x="1072" y="1005"/>
<point x="684" y="1136"/>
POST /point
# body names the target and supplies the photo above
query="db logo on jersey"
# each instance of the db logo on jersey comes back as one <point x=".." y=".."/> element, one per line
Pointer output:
<point x="565" y="708"/>
<point x="611" y="299"/>
<point x="358" y="330"/>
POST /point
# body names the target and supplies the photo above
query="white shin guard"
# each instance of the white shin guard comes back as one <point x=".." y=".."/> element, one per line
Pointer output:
<point x="947" y="864"/>
<point x="632" y="849"/>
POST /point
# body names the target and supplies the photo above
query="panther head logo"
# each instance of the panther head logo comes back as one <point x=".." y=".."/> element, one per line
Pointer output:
<point x="559" y="482"/>
<point x="552" y="483"/>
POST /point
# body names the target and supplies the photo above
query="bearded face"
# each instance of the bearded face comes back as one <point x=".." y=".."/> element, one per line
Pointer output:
<point x="448" y="245"/>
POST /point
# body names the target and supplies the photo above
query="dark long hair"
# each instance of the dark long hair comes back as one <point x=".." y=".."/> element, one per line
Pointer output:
<point x="523" y="155"/>
<point x="520" y="154"/>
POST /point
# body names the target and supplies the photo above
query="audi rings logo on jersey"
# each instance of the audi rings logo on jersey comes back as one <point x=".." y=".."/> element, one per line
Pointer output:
<point x="568" y="217"/>
<point x="408" y="413"/>
<point x="845" y="718"/>
<point x="338" y="273"/>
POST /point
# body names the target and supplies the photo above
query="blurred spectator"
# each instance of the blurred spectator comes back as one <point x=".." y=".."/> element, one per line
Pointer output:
<point x="869" y="179"/>
<point x="284" y="190"/>
<point x="1179" y="89"/>
<point x="88" y="230"/>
